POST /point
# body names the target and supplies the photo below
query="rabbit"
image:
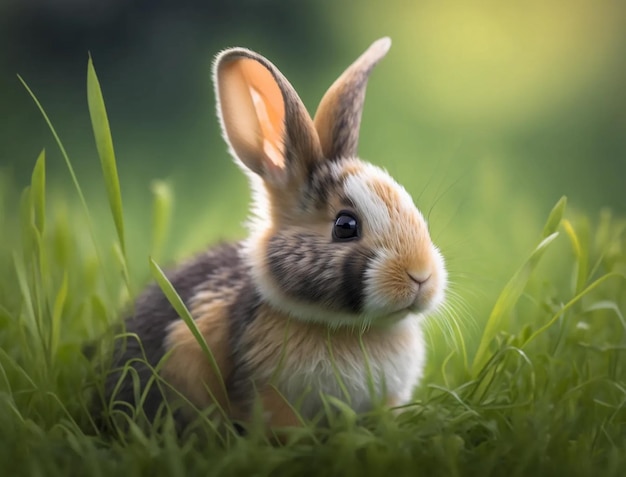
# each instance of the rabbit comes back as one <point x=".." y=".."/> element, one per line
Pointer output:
<point x="325" y="296"/>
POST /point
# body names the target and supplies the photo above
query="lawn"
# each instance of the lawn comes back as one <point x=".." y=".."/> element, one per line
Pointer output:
<point x="541" y="392"/>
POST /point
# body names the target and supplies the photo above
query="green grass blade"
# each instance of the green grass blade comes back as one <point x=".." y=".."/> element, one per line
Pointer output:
<point x="57" y="315"/>
<point x="41" y="276"/>
<point x="573" y="301"/>
<point x="346" y="412"/>
<point x="161" y="215"/>
<point x="515" y="287"/>
<point x="27" y="244"/>
<point x="555" y="217"/>
<point x="581" y="253"/>
<point x="38" y="191"/>
<point x="20" y="271"/>
<point x="104" y="144"/>
<point x="371" y="379"/>
<point x="506" y="301"/>
<point x="608" y="305"/>
<point x="70" y="168"/>
<point x="5" y="383"/>
<point x="59" y="144"/>
<point x="337" y="374"/>
<point x="176" y="301"/>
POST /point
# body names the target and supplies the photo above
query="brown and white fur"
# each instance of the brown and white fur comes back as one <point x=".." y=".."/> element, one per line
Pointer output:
<point x="296" y="310"/>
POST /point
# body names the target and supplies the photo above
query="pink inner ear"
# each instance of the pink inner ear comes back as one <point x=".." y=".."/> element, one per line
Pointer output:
<point x="272" y="138"/>
<point x="269" y="108"/>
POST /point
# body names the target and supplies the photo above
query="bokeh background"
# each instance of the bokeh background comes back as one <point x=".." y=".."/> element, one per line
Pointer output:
<point x="487" y="112"/>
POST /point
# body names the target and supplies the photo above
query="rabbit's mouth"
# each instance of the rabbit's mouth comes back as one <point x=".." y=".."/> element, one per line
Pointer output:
<point x="428" y="293"/>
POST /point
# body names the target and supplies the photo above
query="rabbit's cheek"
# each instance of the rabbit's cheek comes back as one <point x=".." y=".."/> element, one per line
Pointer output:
<point x="305" y="270"/>
<point x="388" y="287"/>
<point x="391" y="285"/>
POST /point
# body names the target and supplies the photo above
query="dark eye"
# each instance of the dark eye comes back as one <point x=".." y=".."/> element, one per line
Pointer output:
<point x="346" y="227"/>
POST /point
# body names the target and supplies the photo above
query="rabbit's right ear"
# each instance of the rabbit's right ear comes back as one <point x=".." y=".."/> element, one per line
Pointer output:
<point x="263" y="119"/>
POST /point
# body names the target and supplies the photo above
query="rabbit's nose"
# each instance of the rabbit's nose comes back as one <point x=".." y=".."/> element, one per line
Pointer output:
<point x="420" y="278"/>
<point x="424" y="289"/>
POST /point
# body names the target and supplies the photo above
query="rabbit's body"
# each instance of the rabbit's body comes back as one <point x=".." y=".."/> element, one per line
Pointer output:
<point x="254" y="342"/>
<point x="326" y="295"/>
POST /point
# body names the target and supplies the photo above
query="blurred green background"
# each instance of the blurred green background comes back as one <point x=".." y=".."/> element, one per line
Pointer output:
<point x="487" y="112"/>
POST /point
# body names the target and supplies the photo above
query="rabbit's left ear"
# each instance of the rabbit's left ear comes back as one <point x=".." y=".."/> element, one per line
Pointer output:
<point x="338" y="116"/>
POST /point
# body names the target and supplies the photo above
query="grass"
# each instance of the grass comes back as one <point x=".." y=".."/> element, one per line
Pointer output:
<point x="542" y="393"/>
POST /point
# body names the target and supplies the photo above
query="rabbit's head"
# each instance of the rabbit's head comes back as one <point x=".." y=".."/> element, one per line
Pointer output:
<point x="333" y="239"/>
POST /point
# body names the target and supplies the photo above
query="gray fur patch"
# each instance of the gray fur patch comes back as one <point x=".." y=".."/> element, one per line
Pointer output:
<point x="314" y="270"/>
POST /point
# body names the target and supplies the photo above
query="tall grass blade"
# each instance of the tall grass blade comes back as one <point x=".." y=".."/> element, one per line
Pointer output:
<point x="337" y="374"/>
<point x="514" y="288"/>
<point x="555" y="217"/>
<point x="57" y="315"/>
<point x="104" y="144"/>
<point x="371" y="380"/>
<point x="161" y="216"/>
<point x="61" y="147"/>
<point x="41" y="275"/>
<point x="177" y="302"/>
<point x="506" y="301"/>
<point x="582" y="256"/>
<point x="27" y="298"/>
<point x="38" y="191"/>
<point x="70" y="168"/>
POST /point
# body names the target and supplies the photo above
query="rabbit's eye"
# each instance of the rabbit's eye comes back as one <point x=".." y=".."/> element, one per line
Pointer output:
<point x="346" y="227"/>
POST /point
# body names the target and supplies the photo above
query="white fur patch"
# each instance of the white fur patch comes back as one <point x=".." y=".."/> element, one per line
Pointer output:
<point x="359" y="189"/>
<point x="442" y="275"/>
<point x="377" y="298"/>
<point x="395" y="374"/>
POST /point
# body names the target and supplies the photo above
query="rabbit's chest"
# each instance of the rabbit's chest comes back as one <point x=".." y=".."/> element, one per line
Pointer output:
<point x="378" y="366"/>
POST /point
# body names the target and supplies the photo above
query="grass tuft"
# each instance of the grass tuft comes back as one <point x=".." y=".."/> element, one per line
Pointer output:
<point x="515" y="287"/>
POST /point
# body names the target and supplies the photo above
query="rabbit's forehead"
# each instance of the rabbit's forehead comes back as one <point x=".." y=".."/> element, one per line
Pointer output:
<point x="385" y="204"/>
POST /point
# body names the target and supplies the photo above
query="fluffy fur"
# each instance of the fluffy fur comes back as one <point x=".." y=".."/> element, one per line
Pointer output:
<point x="293" y="311"/>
